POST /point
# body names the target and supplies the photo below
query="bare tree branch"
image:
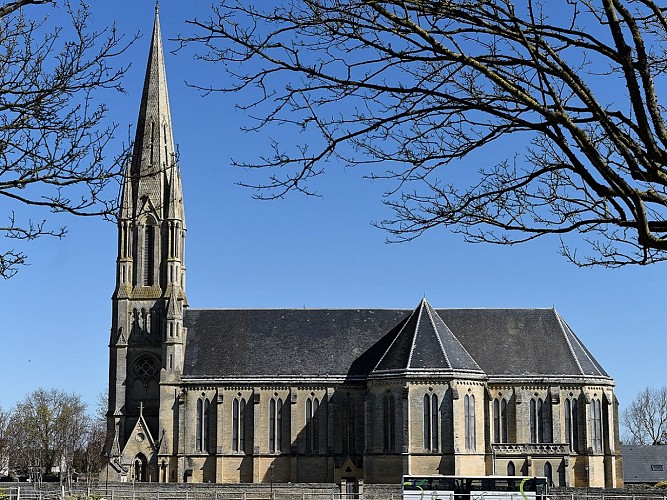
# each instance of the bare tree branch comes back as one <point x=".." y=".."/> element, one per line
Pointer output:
<point x="646" y="418"/>
<point x="54" y="138"/>
<point x="411" y="90"/>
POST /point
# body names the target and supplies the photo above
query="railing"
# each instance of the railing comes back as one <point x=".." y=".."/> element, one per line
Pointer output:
<point x="30" y="493"/>
<point x="531" y="449"/>
<point x="9" y="493"/>
<point x="182" y="492"/>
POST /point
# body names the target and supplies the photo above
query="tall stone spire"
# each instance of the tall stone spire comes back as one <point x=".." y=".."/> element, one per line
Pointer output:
<point x="152" y="217"/>
<point x="154" y="109"/>
<point x="154" y="149"/>
<point x="147" y="333"/>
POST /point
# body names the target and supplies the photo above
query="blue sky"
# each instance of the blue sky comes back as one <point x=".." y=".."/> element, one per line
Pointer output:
<point x="296" y="252"/>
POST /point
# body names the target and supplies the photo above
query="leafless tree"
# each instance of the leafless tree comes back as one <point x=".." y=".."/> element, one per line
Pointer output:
<point x="89" y="459"/>
<point x="54" y="137"/>
<point x="4" y="441"/>
<point x="46" y="430"/>
<point x="553" y="108"/>
<point x="646" y="417"/>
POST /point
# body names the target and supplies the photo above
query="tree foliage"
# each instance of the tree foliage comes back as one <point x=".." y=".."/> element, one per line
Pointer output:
<point x="49" y="429"/>
<point x="646" y="418"/>
<point x="54" y="140"/>
<point x="553" y="108"/>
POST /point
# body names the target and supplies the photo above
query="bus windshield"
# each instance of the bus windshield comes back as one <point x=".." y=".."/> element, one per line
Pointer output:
<point x="473" y="487"/>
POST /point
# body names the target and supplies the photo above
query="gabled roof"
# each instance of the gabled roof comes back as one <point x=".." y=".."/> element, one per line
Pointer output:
<point x="425" y="344"/>
<point x="644" y="464"/>
<point x="260" y="344"/>
<point x="140" y="437"/>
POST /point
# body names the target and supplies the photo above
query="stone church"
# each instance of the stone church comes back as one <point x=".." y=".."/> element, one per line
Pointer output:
<point x="346" y="396"/>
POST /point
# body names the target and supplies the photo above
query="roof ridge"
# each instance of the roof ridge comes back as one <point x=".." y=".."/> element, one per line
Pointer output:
<point x="460" y="343"/>
<point x="359" y="308"/>
<point x="563" y="325"/>
<point x="406" y="321"/>
<point x="414" y="337"/>
<point x="581" y="346"/>
<point x="435" y="329"/>
<point x="397" y="309"/>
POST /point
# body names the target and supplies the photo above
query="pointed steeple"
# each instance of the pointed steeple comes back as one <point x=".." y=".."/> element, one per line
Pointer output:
<point x="426" y="344"/>
<point x="152" y="217"/>
<point x="154" y="149"/>
<point x="150" y="293"/>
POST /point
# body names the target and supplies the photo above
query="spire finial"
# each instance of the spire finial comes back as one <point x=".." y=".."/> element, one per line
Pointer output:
<point x="157" y="6"/>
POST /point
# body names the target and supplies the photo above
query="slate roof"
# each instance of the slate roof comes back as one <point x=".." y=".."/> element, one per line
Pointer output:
<point x="425" y="344"/>
<point x="247" y="344"/>
<point x="637" y="462"/>
<point x="521" y="342"/>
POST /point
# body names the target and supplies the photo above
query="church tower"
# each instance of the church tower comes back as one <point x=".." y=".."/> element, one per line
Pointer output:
<point x="147" y="334"/>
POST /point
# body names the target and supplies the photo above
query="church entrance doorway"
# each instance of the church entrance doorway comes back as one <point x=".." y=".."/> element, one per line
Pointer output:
<point x="140" y="466"/>
<point x="351" y="488"/>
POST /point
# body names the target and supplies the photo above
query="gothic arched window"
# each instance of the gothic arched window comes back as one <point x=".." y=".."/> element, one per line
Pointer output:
<point x="431" y="418"/>
<point x="143" y="382"/>
<point x="349" y="425"/>
<point x="238" y="424"/>
<point x="511" y="469"/>
<point x="207" y="425"/>
<point x="199" y="425"/>
<point x="203" y="424"/>
<point x="275" y="425"/>
<point x="575" y="426"/>
<point x="499" y="420"/>
<point x="572" y="424"/>
<point x="536" y="430"/>
<point x="312" y="425"/>
<point x="149" y="254"/>
<point x="389" y="424"/>
<point x="503" y="420"/>
<point x="596" y="425"/>
<point x="540" y="421"/>
<point x="548" y="473"/>
<point x="469" y="421"/>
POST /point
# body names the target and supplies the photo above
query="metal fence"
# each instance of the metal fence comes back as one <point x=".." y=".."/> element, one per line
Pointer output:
<point x="19" y="492"/>
<point x="30" y="492"/>
<point x="124" y="493"/>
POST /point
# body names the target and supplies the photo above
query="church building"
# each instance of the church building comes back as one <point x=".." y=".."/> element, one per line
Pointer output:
<point x="345" y="396"/>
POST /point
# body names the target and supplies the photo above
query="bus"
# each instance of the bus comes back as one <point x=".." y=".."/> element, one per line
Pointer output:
<point x="474" y="488"/>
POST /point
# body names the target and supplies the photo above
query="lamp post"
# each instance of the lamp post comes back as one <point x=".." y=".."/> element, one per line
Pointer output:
<point x="588" y="479"/>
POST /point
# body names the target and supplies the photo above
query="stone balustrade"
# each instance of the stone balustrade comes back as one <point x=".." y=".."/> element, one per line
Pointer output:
<point x="531" y="449"/>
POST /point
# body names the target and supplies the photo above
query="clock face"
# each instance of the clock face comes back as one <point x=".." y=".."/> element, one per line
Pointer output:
<point x="140" y="437"/>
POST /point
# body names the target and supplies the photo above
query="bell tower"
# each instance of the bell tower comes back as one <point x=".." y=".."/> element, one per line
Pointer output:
<point x="147" y="335"/>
